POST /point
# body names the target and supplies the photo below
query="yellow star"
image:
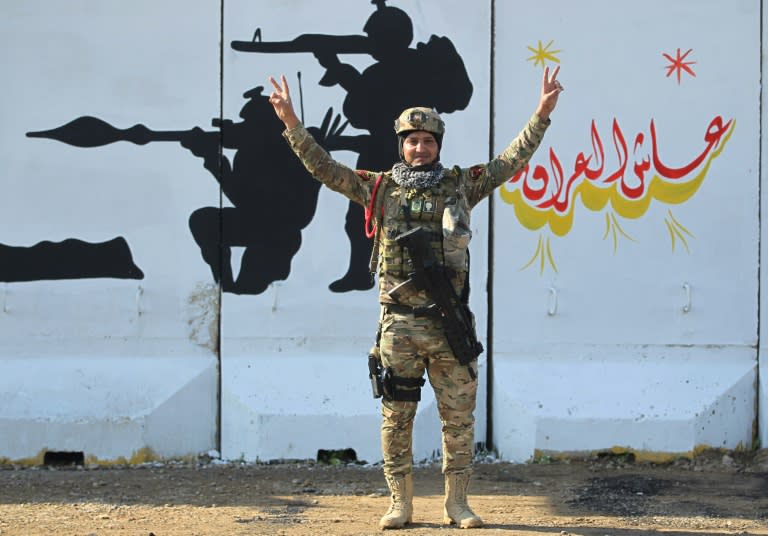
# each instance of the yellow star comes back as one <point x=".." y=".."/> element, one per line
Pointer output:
<point x="542" y="54"/>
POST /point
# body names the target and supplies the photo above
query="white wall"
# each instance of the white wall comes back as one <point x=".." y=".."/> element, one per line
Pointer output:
<point x="621" y="345"/>
<point x="90" y="363"/>
<point x="111" y="366"/>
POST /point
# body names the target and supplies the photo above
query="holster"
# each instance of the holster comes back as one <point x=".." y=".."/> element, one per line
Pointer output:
<point x="393" y="387"/>
<point x="375" y="373"/>
<point x="386" y="385"/>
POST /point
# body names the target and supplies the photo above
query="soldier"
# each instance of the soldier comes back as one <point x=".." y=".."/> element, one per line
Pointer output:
<point x="437" y="78"/>
<point x="419" y="192"/>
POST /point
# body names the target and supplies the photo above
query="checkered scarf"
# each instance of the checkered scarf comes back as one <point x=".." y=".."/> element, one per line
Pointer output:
<point x="409" y="177"/>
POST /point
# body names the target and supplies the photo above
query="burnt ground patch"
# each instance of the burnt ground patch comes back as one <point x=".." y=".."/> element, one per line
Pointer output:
<point x="637" y="495"/>
<point x="621" y="495"/>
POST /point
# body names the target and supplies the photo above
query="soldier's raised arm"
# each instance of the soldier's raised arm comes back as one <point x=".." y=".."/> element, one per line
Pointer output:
<point x="280" y="98"/>
<point x="318" y="162"/>
<point x="483" y="179"/>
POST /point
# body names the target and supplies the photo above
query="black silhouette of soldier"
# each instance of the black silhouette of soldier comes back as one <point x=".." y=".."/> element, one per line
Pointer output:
<point x="431" y="75"/>
<point x="274" y="198"/>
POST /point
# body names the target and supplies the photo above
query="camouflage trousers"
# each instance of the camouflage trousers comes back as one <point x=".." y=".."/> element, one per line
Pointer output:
<point x="410" y="346"/>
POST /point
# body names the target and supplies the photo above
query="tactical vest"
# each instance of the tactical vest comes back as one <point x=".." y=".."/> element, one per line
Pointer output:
<point x="407" y="208"/>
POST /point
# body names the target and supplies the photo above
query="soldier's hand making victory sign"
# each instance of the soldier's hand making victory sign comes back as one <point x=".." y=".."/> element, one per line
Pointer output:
<point x="280" y="99"/>
<point x="550" y="90"/>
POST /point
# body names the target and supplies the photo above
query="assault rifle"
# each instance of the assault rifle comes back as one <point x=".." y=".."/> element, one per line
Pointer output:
<point x="430" y="276"/>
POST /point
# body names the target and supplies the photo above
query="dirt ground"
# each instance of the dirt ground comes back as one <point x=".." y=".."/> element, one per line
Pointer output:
<point x="715" y="493"/>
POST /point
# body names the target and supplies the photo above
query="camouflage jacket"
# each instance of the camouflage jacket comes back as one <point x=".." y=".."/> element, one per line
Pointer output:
<point x="462" y="187"/>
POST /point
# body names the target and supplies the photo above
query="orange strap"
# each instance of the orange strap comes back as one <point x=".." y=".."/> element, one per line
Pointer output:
<point x="370" y="228"/>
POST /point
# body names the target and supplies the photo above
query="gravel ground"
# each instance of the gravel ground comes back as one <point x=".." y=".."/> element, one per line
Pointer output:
<point x="716" y="493"/>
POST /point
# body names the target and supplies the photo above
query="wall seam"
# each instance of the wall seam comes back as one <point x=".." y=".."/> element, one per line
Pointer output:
<point x="217" y="440"/>
<point x="757" y="432"/>
<point x="491" y="237"/>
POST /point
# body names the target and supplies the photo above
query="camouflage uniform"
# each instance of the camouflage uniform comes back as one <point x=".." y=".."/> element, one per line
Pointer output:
<point x="410" y="345"/>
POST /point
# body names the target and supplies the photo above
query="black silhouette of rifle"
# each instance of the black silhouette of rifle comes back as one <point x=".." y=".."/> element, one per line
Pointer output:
<point x="337" y="44"/>
<point x="89" y="131"/>
<point x="430" y="276"/>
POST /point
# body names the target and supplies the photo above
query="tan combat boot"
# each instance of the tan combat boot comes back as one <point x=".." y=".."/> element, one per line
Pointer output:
<point x="400" y="510"/>
<point x="456" y="508"/>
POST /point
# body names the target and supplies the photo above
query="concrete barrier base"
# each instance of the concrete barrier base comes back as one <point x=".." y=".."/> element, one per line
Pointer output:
<point x="109" y="409"/>
<point x="289" y="407"/>
<point x="665" y="402"/>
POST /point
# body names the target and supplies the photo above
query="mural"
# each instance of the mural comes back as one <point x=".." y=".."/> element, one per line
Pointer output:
<point x="545" y="197"/>
<point x="543" y="194"/>
<point x="432" y="75"/>
<point x="264" y="167"/>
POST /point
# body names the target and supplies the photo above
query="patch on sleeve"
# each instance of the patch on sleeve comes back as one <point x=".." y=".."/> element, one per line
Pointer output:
<point x="476" y="171"/>
<point x="365" y="175"/>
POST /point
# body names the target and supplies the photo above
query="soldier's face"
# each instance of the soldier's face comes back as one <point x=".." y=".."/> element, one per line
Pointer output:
<point x="420" y="148"/>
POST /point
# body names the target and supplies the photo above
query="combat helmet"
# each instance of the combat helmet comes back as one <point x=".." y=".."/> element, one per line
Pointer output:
<point x="419" y="118"/>
<point x="389" y="27"/>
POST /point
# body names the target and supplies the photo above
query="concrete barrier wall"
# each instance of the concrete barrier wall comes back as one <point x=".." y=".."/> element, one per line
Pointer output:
<point x="109" y="321"/>
<point x="172" y="282"/>
<point x="294" y="358"/>
<point x="626" y="276"/>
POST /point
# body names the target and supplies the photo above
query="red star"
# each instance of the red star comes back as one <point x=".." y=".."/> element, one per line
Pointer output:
<point x="678" y="64"/>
